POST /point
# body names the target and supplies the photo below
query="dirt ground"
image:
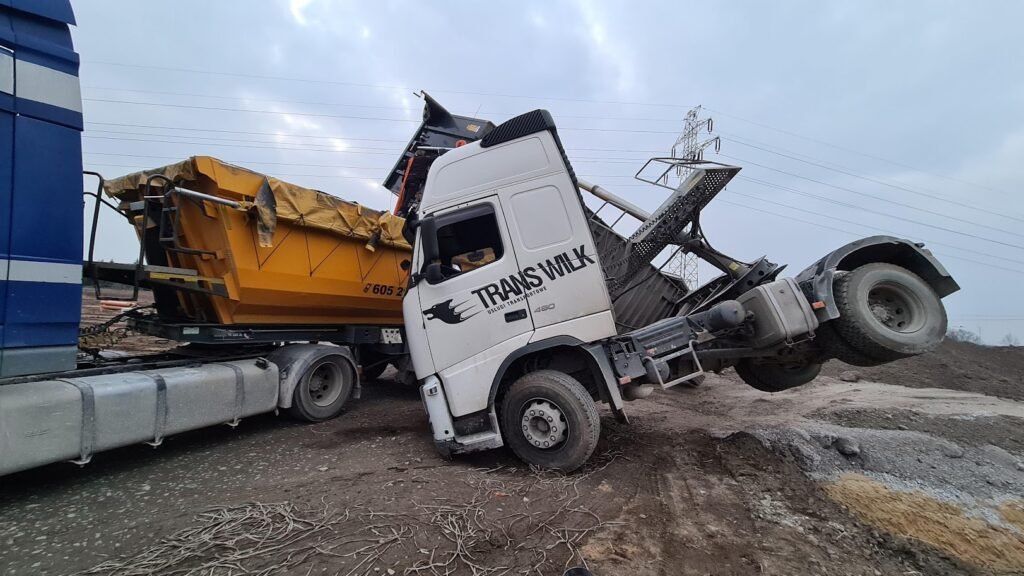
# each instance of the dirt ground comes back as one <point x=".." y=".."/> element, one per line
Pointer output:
<point x="864" y="478"/>
<point x="992" y="370"/>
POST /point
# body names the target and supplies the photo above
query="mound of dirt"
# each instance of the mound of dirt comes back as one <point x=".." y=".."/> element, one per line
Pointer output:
<point x="990" y="370"/>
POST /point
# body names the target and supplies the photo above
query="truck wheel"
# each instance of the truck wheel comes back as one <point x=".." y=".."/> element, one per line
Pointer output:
<point x="550" y="420"/>
<point x="768" y="377"/>
<point x="323" y="390"/>
<point x="887" y="312"/>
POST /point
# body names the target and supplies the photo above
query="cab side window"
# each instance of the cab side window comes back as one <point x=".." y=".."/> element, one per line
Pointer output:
<point x="468" y="240"/>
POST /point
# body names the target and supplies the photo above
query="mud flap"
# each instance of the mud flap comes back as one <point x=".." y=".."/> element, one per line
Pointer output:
<point x="607" y="384"/>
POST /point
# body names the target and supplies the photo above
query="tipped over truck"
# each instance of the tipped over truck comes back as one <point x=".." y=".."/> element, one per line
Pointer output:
<point x="514" y="308"/>
<point x="535" y="336"/>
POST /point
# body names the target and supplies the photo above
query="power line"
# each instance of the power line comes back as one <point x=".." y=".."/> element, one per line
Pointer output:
<point x="819" y="214"/>
<point x="840" y="203"/>
<point x="268" y="163"/>
<point x="328" y="137"/>
<point x="329" y="147"/>
<point x="581" y="160"/>
<point x="223" y="109"/>
<point x="378" y="86"/>
<point x="880" y="213"/>
<point x="346" y="105"/>
<point x="136" y="168"/>
<point x="870" y="226"/>
<point x="293" y="147"/>
<point x="190" y="129"/>
<point x="278" y="147"/>
<point x="342" y="116"/>
<point x="876" y="181"/>
<point x="534" y="97"/>
<point x="725" y="201"/>
<point x="832" y="228"/>
<point x="874" y="197"/>
<point x="859" y="153"/>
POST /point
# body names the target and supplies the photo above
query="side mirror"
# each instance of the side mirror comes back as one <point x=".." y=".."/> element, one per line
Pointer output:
<point x="428" y="238"/>
<point x="433" y="273"/>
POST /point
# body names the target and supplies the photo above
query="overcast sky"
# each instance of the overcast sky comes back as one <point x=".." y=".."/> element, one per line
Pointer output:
<point x="849" y="118"/>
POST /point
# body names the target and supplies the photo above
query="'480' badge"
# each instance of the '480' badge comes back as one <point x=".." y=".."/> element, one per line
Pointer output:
<point x="383" y="289"/>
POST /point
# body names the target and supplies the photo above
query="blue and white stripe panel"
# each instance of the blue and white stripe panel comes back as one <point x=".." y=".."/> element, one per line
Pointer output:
<point x="44" y="301"/>
<point x="40" y="187"/>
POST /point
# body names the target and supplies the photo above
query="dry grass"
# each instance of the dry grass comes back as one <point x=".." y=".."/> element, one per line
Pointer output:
<point x="939" y="524"/>
<point x="531" y="523"/>
<point x="1013" y="513"/>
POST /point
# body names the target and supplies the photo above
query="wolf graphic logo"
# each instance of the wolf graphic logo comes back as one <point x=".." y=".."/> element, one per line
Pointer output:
<point x="448" y="313"/>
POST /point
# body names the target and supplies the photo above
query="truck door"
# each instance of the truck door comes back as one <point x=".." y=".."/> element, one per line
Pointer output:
<point x="480" y="307"/>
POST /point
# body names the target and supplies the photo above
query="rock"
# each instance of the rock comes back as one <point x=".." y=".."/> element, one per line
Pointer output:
<point x="849" y="376"/>
<point x="847" y="446"/>
<point x="806" y="458"/>
<point x="1020" y="466"/>
<point x="953" y="451"/>
<point x="903" y="427"/>
<point x="825" y="440"/>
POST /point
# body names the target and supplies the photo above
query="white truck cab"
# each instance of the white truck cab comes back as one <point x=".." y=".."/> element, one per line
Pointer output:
<point x="516" y="271"/>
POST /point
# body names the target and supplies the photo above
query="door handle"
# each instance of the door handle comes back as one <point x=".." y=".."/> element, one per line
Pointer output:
<point x="515" y="315"/>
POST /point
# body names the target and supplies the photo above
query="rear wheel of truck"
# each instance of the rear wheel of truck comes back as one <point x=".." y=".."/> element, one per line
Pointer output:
<point x="774" y="377"/>
<point x="887" y="312"/>
<point x="550" y="420"/>
<point x="323" y="390"/>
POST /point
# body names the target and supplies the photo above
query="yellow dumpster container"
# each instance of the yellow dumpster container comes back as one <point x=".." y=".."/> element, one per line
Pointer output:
<point x="276" y="254"/>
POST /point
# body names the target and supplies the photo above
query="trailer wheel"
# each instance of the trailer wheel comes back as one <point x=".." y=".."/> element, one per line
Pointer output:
<point x="887" y="312"/>
<point x="769" y="377"/>
<point x="323" y="390"/>
<point x="550" y="420"/>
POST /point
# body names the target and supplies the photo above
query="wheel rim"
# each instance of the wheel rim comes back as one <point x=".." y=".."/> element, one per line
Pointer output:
<point x="324" y="384"/>
<point x="543" y="424"/>
<point x="896" y="308"/>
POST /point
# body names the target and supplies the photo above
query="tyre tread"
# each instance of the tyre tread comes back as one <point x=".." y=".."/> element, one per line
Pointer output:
<point x="591" y="426"/>
<point x="851" y="332"/>
<point x="299" y="411"/>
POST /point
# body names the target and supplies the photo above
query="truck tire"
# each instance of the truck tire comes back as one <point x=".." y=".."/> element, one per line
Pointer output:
<point x="550" y="420"/>
<point x="323" y="389"/>
<point x="887" y="312"/>
<point x="768" y="377"/>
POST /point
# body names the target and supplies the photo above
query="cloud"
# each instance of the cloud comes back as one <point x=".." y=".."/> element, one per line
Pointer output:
<point x="609" y="54"/>
<point x="298" y="8"/>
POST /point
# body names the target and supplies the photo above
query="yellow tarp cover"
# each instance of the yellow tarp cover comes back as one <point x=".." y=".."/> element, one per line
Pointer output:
<point x="267" y="199"/>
